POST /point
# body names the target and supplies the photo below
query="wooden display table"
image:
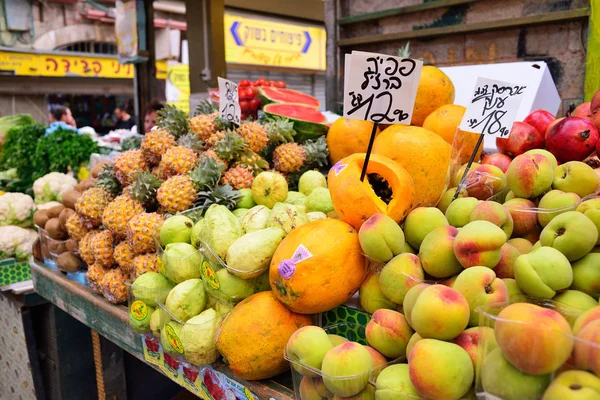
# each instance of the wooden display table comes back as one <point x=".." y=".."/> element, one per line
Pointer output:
<point x="110" y="321"/>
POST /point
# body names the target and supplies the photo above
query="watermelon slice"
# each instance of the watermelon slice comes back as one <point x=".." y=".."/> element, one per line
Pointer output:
<point x="309" y="123"/>
<point x="278" y="95"/>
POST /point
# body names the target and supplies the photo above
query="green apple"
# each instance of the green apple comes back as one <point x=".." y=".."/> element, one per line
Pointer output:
<point x="572" y="233"/>
<point x="575" y="177"/>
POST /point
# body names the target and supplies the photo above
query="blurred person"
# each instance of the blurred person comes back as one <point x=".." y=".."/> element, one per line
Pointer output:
<point x="150" y="115"/>
<point x="124" y="119"/>
<point x="62" y="118"/>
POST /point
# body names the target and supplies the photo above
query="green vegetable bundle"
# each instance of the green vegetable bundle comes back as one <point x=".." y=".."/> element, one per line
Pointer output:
<point x="19" y="149"/>
<point x="61" y="150"/>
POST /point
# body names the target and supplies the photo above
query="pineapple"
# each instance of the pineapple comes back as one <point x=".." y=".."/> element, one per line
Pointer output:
<point x="91" y="204"/>
<point x="212" y="139"/>
<point x="94" y="275"/>
<point x="279" y="130"/>
<point x="85" y="247"/>
<point x="211" y="153"/>
<point x="103" y="248"/>
<point x="145" y="263"/>
<point x="113" y="286"/>
<point x="143" y="189"/>
<point x="223" y="195"/>
<point x="155" y="144"/>
<point x="203" y="126"/>
<point x="177" y="160"/>
<point x="107" y="179"/>
<point x="293" y="157"/>
<point x="76" y="227"/>
<point x="142" y="231"/>
<point x="251" y="160"/>
<point x="254" y="134"/>
<point x="238" y="177"/>
<point x="123" y="256"/>
<point x="173" y="120"/>
<point x="191" y="141"/>
<point x="230" y="147"/>
<point x="128" y="164"/>
<point x="119" y="212"/>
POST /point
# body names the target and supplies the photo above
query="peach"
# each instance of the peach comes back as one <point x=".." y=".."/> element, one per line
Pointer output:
<point x="346" y="360"/>
<point x="591" y="209"/>
<point x="571" y="233"/>
<point x="485" y="181"/>
<point x="500" y="378"/>
<point x="479" y="243"/>
<point x="378" y="358"/>
<point x="388" y="333"/>
<point x="440" y="370"/>
<point x="480" y="287"/>
<point x="448" y="197"/>
<point x="494" y="213"/>
<point x="411" y="343"/>
<point x="546" y="154"/>
<point x="399" y="275"/>
<point x="371" y="297"/>
<point x="459" y="211"/>
<point x="575" y="177"/>
<point x="577" y="299"/>
<point x="408" y="249"/>
<point x="436" y="311"/>
<point x="535" y="340"/>
<point x="514" y="292"/>
<point x="381" y="238"/>
<point x="530" y="175"/>
<point x="476" y="341"/>
<point x="368" y="393"/>
<point x="523" y="245"/>
<point x="460" y="173"/>
<point x="523" y="215"/>
<point x="543" y="272"/>
<point x="307" y="347"/>
<point x="336" y="339"/>
<point x="313" y="389"/>
<point x="587" y="348"/>
<point x="437" y="253"/>
<point x="574" y="385"/>
<point x="420" y="222"/>
<point x="555" y="202"/>
<point x="586" y="318"/>
<point x="500" y="160"/>
<point x="393" y="382"/>
<point x="508" y="258"/>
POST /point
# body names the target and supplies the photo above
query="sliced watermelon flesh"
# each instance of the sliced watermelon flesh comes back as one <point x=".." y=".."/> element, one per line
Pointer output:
<point x="296" y="111"/>
<point x="280" y="95"/>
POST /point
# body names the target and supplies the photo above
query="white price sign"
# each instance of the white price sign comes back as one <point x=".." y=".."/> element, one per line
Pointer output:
<point x="380" y="88"/>
<point x="229" y="101"/>
<point x="493" y="108"/>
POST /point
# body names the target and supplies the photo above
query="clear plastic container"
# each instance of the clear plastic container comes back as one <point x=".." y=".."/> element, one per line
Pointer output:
<point x="307" y="379"/>
<point x="182" y="262"/>
<point x="51" y="248"/>
<point x="530" y="347"/>
<point x="142" y="303"/>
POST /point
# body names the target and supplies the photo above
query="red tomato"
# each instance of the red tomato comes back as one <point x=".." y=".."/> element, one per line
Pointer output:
<point x="244" y="83"/>
<point x="248" y="93"/>
<point x="255" y="83"/>
<point x="262" y="81"/>
<point x="243" y="116"/>
<point x="272" y="83"/>
<point x="280" y="84"/>
<point x="254" y="104"/>
<point x="254" y="91"/>
<point x="244" y="105"/>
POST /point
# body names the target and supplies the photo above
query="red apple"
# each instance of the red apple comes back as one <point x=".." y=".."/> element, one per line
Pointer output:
<point x="500" y="160"/>
<point x="522" y="137"/>
<point x="540" y="119"/>
<point x="572" y="139"/>
<point x="582" y="111"/>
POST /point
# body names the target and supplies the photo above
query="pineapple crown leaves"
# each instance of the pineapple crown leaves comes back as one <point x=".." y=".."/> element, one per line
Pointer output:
<point x="230" y="147"/>
<point x="173" y="120"/>
<point x="131" y="143"/>
<point x="191" y="141"/>
<point x="223" y="195"/>
<point x="316" y="153"/>
<point x="205" y="107"/>
<point x="206" y="174"/>
<point x="279" y="129"/>
<point x="108" y="181"/>
<point x="404" y="52"/>
<point x="253" y="161"/>
<point x="143" y="189"/>
<point x="223" y="125"/>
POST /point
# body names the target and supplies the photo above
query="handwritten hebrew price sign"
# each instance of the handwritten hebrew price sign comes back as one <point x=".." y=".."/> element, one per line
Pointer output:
<point x="229" y="101"/>
<point x="380" y="88"/>
<point x="493" y="108"/>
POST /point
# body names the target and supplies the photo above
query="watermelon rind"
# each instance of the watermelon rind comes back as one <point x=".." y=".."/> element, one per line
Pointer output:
<point x="305" y="130"/>
<point x="265" y="99"/>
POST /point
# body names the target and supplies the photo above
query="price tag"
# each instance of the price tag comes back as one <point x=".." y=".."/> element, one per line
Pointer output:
<point x="229" y="101"/>
<point x="380" y="88"/>
<point x="493" y="108"/>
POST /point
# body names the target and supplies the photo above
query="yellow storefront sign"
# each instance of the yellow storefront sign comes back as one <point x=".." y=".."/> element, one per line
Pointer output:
<point x="58" y="65"/>
<point x="266" y="42"/>
<point x="178" y="85"/>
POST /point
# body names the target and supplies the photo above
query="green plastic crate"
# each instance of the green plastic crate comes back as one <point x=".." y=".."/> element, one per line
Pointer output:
<point x="12" y="271"/>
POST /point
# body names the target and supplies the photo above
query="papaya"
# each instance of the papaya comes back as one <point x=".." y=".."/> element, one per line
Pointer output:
<point x="318" y="266"/>
<point x="387" y="188"/>
<point x="253" y="337"/>
<point x="347" y="136"/>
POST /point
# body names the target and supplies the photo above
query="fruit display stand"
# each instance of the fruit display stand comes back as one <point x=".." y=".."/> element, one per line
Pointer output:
<point x="110" y="321"/>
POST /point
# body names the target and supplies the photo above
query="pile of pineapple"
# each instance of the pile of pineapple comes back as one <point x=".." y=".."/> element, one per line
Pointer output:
<point x="183" y="163"/>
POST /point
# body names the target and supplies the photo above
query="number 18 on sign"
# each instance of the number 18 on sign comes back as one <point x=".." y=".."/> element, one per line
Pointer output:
<point x="229" y="101"/>
<point x="492" y="111"/>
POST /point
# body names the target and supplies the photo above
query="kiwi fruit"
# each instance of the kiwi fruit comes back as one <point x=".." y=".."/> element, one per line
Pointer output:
<point x="40" y="217"/>
<point x="54" y="229"/>
<point x="55" y="247"/>
<point x="54" y="212"/>
<point x="68" y="262"/>
<point x="37" y="250"/>
<point x="70" y="198"/>
<point x="64" y="216"/>
<point x="72" y="246"/>
<point x="85" y="185"/>
<point x="98" y="168"/>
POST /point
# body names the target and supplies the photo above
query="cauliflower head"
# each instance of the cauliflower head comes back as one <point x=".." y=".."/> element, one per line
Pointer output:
<point x="16" y="209"/>
<point x="52" y="186"/>
<point x="16" y="242"/>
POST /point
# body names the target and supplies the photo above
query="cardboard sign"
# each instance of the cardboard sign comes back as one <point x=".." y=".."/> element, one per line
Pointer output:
<point x="380" y="88"/>
<point x="493" y="108"/>
<point x="229" y="101"/>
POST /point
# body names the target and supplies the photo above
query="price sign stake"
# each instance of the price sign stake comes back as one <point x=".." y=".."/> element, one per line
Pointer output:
<point x="381" y="89"/>
<point x="229" y="101"/>
<point x="491" y="112"/>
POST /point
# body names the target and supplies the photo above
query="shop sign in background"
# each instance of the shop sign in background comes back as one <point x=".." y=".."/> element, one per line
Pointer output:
<point x="267" y="42"/>
<point x="178" y="85"/>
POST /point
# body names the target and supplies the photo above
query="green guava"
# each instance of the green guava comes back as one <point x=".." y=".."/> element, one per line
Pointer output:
<point x="311" y="180"/>
<point x="182" y="261"/>
<point x="198" y="337"/>
<point x="223" y="307"/>
<point x="232" y="288"/>
<point x="255" y="219"/>
<point x="239" y="212"/>
<point x="295" y="196"/>
<point x="158" y="319"/>
<point x="170" y="338"/>
<point x="251" y="254"/>
<point x="150" y="288"/>
<point x="262" y="283"/>
<point x="220" y="229"/>
<point x="319" y="200"/>
<point x="141" y="323"/>
<point x="187" y="299"/>
<point x="176" y="229"/>
<point x="246" y="200"/>
<point x="287" y="217"/>
<point x="269" y="188"/>
<point x="195" y="235"/>
<point x="316" y="215"/>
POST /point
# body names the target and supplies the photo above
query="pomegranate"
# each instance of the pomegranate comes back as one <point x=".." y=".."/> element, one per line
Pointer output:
<point x="540" y="119"/>
<point x="522" y="137"/>
<point x="556" y="121"/>
<point x="500" y="160"/>
<point x="582" y="111"/>
<point x="572" y="139"/>
<point x="595" y="110"/>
